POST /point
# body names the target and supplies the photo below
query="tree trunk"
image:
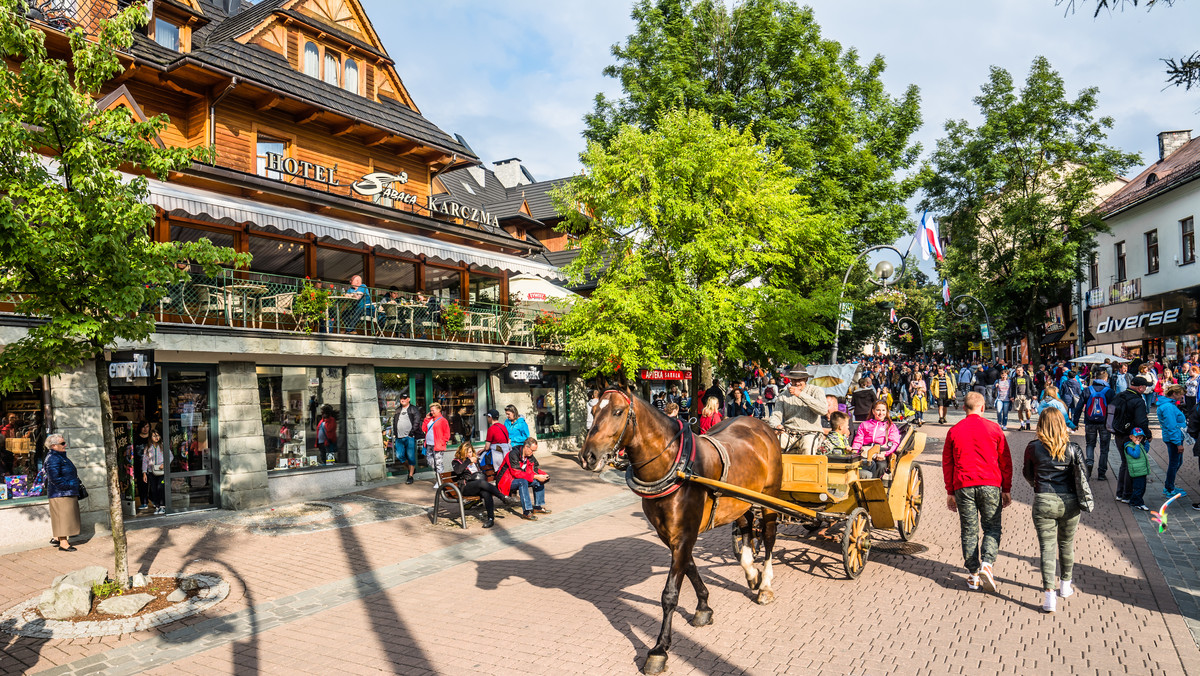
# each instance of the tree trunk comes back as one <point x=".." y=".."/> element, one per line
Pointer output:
<point x="116" y="515"/>
<point x="1035" y="352"/>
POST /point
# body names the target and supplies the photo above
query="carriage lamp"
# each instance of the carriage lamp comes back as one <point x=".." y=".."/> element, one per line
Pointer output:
<point x="884" y="271"/>
<point x="961" y="309"/>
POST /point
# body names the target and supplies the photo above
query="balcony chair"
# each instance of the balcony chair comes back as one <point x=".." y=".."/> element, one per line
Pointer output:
<point x="279" y="306"/>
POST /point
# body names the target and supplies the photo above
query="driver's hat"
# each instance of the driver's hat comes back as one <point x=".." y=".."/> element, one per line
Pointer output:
<point x="799" y="374"/>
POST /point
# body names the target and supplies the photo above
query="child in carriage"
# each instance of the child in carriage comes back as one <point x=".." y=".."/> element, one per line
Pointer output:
<point x="838" y="440"/>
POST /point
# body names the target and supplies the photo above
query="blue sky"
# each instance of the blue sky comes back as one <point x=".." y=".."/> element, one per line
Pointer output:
<point x="515" y="78"/>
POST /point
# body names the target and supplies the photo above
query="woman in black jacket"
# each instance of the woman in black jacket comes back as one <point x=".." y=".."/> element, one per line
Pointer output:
<point x="473" y="482"/>
<point x="1056" y="469"/>
<point x="62" y="487"/>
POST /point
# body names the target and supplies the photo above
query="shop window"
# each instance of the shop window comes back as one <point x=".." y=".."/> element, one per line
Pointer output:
<point x="294" y="401"/>
<point x="390" y="386"/>
<point x="166" y="34"/>
<point x="267" y="145"/>
<point x="278" y="257"/>
<point x="550" y="405"/>
<point x="1119" y="250"/>
<point x="334" y="265"/>
<point x="484" y="289"/>
<point x="332" y="63"/>
<point x="393" y="274"/>
<point x="1152" y="252"/>
<point x="458" y="393"/>
<point x="312" y="60"/>
<point x="443" y="283"/>
<point x="1187" y="230"/>
<point x="350" y="81"/>
<point x="23" y="449"/>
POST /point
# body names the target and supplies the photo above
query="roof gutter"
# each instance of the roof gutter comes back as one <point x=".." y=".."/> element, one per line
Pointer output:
<point x="1146" y="198"/>
<point x="212" y="112"/>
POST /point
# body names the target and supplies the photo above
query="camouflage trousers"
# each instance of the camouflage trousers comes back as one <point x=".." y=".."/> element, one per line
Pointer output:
<point x="979" y="506"/>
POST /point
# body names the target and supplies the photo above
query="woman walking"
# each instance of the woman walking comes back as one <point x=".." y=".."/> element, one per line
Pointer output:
<point x="1003" y="399"/>
<point x="153" y="468"/>
<point x="1193" y="384"/>
<point x="1148" y="373"/>
<point x="1174" y="424"/>
<point x="62" y="486"/>
<point x="1056" y="469"/>
<point x="1050" y="400"/>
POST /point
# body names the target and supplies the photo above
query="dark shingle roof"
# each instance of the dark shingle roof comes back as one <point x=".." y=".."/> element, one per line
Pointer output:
<point x="262" y="66"/>
<point x="150" y="50"/>
<point x="501" y="201"/>
<point x="1178" y="168"/>
<point x="240" y="23"/>
<point x="537" y="195"/>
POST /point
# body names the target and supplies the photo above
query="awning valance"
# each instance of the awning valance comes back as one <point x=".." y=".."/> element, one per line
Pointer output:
<point x="195" y="202"/>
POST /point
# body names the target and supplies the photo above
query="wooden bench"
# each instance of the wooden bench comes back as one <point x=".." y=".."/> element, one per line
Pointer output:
<point x="446" y="490"/>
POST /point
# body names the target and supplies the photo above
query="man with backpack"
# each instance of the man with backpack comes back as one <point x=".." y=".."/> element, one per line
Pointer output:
<point x="1129" y="411"/>
<point x="1095" y="419"/>
<point x="1071" y="392"/>
<point x="966" y="376"/>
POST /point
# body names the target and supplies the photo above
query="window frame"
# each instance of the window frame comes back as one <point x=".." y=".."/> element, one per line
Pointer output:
<point x="304" y="59"/>
<point x="326" y="57"/>
<point x="1094" y="271"/>
<point x="1152" y="262"/>
<point x="1187" y="240"/>
<point x="158" y="20"/>
<point x="260" y="138"/>
<point x="1119" y="253"/>
<point x="347" y="63"/>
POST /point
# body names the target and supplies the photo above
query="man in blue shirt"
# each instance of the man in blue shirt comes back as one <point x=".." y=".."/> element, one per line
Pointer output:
<point x="518" y="429"/>
<point x="364" y="305"/>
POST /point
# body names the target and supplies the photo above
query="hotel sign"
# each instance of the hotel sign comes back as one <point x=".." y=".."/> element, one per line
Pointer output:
<point x="301" y="169"/>
<point x="379" y="184"/>
<point x="456" y="210"/>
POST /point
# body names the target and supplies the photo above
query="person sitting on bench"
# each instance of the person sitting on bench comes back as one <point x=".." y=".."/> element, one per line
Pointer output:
<point x="472" y="482"/>
<point x="838" y="439"/>
<point x="880" y="433"/>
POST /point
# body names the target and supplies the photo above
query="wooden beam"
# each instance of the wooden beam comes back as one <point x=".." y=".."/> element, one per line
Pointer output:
<point x="176" y="87"/>
<point x="128" y="73"/>
<point x="407" y="147"/>
<point x="342" y="130"/>
<point x="379" y="139"/>
<point x="268" y="102"/>
<point x="309" y="116"/>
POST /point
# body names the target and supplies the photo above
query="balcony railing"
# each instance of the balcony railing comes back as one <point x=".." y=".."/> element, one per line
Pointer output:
<point x="67" y="14"/>
<point x="260" y="301"/>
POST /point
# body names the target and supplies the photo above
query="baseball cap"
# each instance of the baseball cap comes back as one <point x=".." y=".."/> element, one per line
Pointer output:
<point x="493" y="414"/>
<point x="1137" y="432"/>
<point x="1139" y="381"/>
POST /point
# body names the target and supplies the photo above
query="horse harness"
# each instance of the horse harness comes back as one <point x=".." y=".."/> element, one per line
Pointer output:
<point x="685" y="459"/>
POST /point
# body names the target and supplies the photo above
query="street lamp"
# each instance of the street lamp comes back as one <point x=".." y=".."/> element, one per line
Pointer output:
<point x="886" y="274"/>
<point x="912" y="326"/>
<point x="963" y="311"/>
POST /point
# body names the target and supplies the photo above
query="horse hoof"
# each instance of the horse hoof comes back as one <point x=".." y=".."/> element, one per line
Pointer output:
<point x="655" y="664"/>
<point x="765" y="597"/>
<point x="754" y="582"/>
<point x="702" y="618"/>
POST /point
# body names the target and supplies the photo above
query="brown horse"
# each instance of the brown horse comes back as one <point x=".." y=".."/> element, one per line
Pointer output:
<point x="679" y="510"/>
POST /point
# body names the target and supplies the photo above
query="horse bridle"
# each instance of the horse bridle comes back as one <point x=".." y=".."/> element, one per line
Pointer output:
<point x="629" y="415"/>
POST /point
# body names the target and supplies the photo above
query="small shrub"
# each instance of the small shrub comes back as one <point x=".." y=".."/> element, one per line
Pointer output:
<point x="103" y="590"/>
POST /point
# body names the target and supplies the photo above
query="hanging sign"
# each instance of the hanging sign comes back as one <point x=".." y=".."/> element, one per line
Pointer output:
<point x="379" y="184"/>
<point x="647" y="374"/>
<point x="984" y="332"/>
<point x="301" y="169"/>
<point x="845" y="316"/>
<point x="131" y="364"/>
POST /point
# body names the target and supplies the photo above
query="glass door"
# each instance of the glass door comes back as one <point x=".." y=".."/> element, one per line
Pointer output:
<point x="192" y="479"/>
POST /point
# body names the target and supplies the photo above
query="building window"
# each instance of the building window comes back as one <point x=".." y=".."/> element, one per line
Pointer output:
<point x="273" y="146"/>
<point x="166" y="34"/>
<point x="1187" y="228"/>
<point x="1094" y="272"/>
<point x="459" y="394"/>
<point x="350" y="82"/>
<point x="396" y="275"/>
<point x="549" y="402"/>
<point x="312" y="60"/>
<point x="484" y="289"/>
<point x="22" y="443"/>
<point x="1120" y="251"/>
<point x="332" y="64"/>
<point x="335" y="265"/>
<point x="302" y="413"/>
<point x="277" y="256"/>
<point x="443" y="283"/>
<point x="1152" y="252"/>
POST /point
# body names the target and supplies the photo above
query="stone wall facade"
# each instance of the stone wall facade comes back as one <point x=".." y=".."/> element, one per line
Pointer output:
<point x="364" y="432"/>
<point x="243" y="454"/>
<point x="76" y="403"/>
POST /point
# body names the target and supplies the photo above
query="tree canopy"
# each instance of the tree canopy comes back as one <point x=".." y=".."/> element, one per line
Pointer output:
<point x="763" y="65"/>
<point x="1018" y="192"/>
<point x="705" y="228"/>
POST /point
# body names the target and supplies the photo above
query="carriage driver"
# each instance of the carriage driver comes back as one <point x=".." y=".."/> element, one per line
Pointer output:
<point x="798" y="415"/>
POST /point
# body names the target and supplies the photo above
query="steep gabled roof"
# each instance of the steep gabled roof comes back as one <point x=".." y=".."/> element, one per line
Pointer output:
<point x="537" y="195"/>
<point x="239" y="24"/>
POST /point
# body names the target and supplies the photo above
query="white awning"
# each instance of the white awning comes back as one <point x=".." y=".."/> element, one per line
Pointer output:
<point x="197" y="202"/>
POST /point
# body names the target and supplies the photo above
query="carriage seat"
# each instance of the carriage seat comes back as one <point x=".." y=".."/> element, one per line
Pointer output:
<point x="835" y="458"/>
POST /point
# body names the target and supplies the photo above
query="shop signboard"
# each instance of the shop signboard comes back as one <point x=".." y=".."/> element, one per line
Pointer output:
<point x="984" y="332"/>
<point x="1166" y="315"/>
<point x="658" y="374"/>
<point x="523" y="375"/>
<point x="379" y="185"/>
<point x="308" y="171"/>
<point x="1095" y="298"/>
<point x="535" y="295"/>
<point x="130" y="364"/>
<point x="1121" y="292"/>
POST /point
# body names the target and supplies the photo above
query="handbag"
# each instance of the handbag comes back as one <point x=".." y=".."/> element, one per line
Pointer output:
<point x="82" y="492"/>
<point x="1083" y="490"/>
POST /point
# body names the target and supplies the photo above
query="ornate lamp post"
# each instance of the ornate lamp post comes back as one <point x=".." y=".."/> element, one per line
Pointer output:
<point x="886" y="274"/>
<point x="912" y="325"/>
<point x="961" y="310"/>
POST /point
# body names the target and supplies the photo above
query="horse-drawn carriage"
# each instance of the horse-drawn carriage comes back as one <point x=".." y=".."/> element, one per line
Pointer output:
<point x="827" y="492"/>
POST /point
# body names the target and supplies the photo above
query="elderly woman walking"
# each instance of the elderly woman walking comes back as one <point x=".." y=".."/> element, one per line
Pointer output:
<point x="62" y="485"/>
<point x="1056" y="469"/>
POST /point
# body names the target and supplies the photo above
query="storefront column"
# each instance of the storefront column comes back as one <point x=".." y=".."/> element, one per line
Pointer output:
<point x="364" y="432"/>
<point x="577" y="396"/>
<point x="76" y="405"/>
<point x="243" y="453"/>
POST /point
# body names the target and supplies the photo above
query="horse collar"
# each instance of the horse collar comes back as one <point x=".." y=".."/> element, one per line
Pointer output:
<point x="670" y="482"/>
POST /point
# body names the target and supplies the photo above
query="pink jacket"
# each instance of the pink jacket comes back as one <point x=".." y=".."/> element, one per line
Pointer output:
<point x="882" y="432"/>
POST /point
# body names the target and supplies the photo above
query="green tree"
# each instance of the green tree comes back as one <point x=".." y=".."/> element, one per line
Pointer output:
<point x="1018" y="193"/>
<point x="763" y="65"/>
<point x="705" y="229"/>
<point x="75" y="249"/>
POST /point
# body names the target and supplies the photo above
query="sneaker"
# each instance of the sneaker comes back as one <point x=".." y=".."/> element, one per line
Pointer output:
<point x="1049" y="602"/>
<point x="1144" y="508"/>
<point x="1065" y="589"/>
<point x="1121" y="499"/>
<point x="1101" y="477"/>
<point x="1174" y="491"/>
<point x="986" y="579"/>
<point x="973" y="582"/>
<point x="161" y="510"/>
<point x="409" y="480"/>
<point x="1089" y="471"/>
<point x="1196" y="506"/>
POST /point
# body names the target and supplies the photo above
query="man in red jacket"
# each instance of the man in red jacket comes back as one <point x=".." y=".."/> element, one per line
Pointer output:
<point x="977" y="465"/>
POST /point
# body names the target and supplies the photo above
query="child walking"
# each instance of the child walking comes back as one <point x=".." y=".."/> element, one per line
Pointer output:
<point x="920" y="401"/>
<point x="1138" y="466"/>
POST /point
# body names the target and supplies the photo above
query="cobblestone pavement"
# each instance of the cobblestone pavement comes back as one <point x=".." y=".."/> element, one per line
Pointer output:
<point x="577" y="592"/>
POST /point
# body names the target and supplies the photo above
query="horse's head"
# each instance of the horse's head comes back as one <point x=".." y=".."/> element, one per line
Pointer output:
<point x="610" y="428"/>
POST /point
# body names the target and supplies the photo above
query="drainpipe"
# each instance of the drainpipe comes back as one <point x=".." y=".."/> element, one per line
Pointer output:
<point x="212" y="112"/>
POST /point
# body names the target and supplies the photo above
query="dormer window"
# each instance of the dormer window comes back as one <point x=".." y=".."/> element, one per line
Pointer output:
<point x="350" y="81"/>
<point x="332" y="66"/>
<point x="166" y="34"/>
<point x="1151" y="179"/>
<point x="312" y="60"/>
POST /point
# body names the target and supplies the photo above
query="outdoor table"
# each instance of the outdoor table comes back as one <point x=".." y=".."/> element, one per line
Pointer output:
<point x="245" y="291"/>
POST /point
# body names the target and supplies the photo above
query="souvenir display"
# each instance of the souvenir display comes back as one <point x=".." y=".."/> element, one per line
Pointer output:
<point x="17" y="485"/>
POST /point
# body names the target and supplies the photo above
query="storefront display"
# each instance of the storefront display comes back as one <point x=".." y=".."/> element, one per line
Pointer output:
<point x="22" y="450"/>
<point x="550" y="404"/>
<point x="458" y="393"/>
<point x="390" y="385"/>
<point x="292" y="400"/>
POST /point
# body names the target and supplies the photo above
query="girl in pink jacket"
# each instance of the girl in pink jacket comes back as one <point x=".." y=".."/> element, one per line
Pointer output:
<point x="877" y="430"/>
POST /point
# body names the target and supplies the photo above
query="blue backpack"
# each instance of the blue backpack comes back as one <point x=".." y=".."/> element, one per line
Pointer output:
<point x="1097" y="405"/>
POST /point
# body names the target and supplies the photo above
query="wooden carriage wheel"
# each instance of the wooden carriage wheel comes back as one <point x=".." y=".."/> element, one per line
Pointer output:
<point x="913" y="500"/>
<point x="856" y="542"/>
